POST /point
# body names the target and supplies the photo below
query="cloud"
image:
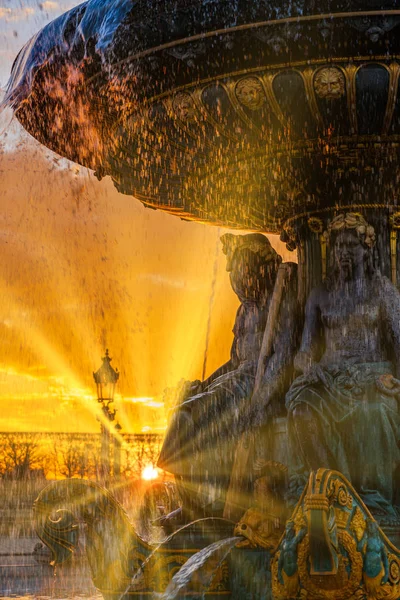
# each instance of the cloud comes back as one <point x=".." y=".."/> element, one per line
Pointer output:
<point x="147" y="429"/>
<point x="148" y="401"/>
<point x="61" y="305"/>
<point x="13" y="14"/>
<point x="32" y="373"/>
<point x="49" y="5"/>
<point x="158" y="279"/>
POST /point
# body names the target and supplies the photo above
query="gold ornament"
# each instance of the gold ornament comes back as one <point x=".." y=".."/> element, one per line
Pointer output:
<point x="220" y="580"/>
<point x="338" y="493"/>
<point x="250" y="93"/>
<point x="395" y="220"/>
<point x="394" y="569"/>
<point x="158" y="572"/>
<point x="299" y="520"/>
<point x="258" y="529"/>
<point x="315" y="225"/>
<point x="340" y="586"/>
<point x="342" y="518"/>
<point x="316" y="502"/>
<point x="184" y="107"/>
<point x="358" y="524"/>
<point x="329" y="83"/>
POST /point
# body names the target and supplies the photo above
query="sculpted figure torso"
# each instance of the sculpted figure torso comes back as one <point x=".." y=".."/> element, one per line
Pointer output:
<point x="287" y="564"/>
<point x="343" y="411"/>
<point x="350" y="310"/>
<point x="345" y="322"/>
<point x="375" y="560"/>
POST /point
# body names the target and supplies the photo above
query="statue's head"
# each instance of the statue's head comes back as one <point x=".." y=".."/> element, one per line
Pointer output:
<point x="252" y="264"/>
<point x="352" y="241"/>
<point x="372" y="526"/>
<point x="290" y="530"/>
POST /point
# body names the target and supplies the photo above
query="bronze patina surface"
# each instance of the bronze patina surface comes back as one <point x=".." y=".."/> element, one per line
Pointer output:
<point x="245" y="114"/>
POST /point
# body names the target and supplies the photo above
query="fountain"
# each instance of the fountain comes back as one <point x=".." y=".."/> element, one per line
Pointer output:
<point x="271" y="117"/>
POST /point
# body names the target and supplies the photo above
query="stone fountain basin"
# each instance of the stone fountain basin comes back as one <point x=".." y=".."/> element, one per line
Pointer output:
<point x="239" y="114"/>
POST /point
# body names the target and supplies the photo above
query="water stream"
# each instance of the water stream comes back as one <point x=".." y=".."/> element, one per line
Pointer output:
<point x="170" y="537"/>
<point x="183" y="577"/>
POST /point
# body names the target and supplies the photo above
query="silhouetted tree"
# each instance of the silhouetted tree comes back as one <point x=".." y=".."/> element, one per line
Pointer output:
<point x="20" y="454"/>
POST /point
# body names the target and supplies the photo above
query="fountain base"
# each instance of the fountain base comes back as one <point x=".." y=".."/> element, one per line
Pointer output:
<point x="332" y="548"/>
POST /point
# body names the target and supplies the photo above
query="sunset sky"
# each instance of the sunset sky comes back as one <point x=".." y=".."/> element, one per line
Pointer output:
<point x="84" y="268"/>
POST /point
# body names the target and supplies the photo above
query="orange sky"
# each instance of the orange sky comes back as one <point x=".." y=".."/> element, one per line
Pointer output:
<point x="84" y="267"/>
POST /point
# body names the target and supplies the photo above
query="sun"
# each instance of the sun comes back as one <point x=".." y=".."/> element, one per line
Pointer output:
<point x="150" y="473"/>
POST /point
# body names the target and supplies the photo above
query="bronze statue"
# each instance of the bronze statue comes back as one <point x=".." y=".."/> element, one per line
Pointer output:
<point x="343" y="409"/>
<point x="287" y="564"/>
<point x="375" y="560"/>
<point x="201" y="440"/>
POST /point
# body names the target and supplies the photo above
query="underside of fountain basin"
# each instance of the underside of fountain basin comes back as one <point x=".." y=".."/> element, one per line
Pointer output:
<point x="243" y="114"/>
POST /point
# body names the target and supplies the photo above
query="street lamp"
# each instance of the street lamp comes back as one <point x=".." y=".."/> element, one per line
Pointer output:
<point x="117" y="452"/>
<point x="106" y="379"/>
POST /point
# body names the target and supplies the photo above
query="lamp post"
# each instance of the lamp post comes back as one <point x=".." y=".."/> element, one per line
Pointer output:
<point x="106" y="379"/>
<point x="117" y="452"/>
